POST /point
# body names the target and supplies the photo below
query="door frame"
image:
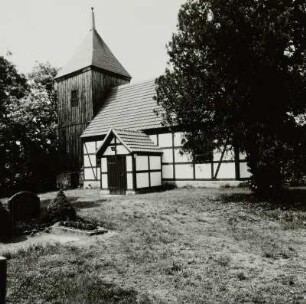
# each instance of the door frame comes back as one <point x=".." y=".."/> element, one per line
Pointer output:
<point x="120" y="176"/>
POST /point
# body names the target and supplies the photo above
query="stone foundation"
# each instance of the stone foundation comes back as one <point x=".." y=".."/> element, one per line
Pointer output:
<point x="206" y="184"/>
<point x="92" y="185"/>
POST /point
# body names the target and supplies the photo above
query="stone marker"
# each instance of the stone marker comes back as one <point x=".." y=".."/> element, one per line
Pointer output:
<point x="24" y="206"/>
<point x="6" y="227"/>
<point x="3" y="274"/>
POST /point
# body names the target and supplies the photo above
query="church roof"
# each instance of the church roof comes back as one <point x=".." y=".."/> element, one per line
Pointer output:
<point x="126" y="107"/>
<point x="134" y="141"/>
<point x="94" y="52"/>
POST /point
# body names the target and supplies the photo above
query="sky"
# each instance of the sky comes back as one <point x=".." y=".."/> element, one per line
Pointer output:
<point x="136" y="31"/>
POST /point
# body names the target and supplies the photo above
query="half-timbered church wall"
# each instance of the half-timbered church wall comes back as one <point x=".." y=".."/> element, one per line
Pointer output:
<point x="175" y="166"/>
<point x="92" y="171"/>
<point x="180" y="167"/>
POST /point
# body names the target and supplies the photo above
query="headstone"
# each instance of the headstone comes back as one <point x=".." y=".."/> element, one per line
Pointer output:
<point x="24" y="206"/>
<point x="6" y="227"/>
<point x="3" y="274"/>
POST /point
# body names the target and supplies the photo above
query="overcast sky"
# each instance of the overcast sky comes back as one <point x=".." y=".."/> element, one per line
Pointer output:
<point x="50" y="30"/>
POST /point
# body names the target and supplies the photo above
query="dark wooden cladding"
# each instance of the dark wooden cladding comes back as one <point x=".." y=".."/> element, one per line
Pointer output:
<point x="92" y="86"/>
<point x="82" y="113"/>
<point x="71" y="147"/>
<point x="101" y="83"/>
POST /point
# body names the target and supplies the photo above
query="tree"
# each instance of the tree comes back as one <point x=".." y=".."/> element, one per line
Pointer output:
<point x="29" y="136"/>
<point x="236" y="76"/>
<point x="12" y="84"/>
<point x="43" y="74"/>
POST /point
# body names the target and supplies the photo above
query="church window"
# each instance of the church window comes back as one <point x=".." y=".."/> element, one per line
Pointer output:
<point x="74" y="98"/>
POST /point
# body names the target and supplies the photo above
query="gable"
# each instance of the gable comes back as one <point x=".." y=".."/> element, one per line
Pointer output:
<point x="131" y="142"/>
<point x="112" y="146"/>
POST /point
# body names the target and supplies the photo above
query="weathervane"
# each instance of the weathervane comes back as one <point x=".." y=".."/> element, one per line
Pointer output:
<point x="93" y="18"/>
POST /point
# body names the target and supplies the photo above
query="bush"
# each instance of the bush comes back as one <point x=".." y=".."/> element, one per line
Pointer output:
<point x="31" y="227"/>
<point x="60" y="209"/>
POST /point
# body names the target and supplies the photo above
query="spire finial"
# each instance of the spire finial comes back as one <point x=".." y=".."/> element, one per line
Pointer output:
<point x="93" y="26"/>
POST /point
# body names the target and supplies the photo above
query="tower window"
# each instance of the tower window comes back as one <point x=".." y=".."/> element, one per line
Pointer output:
<point x="74" y="98"/>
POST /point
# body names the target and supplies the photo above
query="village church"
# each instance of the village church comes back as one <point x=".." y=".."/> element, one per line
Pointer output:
<point x="110" y="134"/>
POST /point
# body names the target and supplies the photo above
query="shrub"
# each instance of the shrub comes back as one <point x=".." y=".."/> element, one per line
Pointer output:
<point x="30" y="227"/>
<point x="60" y="209"/>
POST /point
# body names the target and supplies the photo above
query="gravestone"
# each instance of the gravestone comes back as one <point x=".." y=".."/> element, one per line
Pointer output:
<point x="6" y="227"/>
<point x="24" y="206"/>
<point x="3" y="277"/>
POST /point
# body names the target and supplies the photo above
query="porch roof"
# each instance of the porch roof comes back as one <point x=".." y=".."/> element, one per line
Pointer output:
<point x="134" y="141"/>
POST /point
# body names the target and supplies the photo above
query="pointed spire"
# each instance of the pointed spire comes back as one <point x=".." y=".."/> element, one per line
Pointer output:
<point x="93" y="52"/>
<point x="93" y="25"/>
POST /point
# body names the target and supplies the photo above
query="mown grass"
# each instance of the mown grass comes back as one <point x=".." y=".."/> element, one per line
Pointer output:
<point x="53" y="274"/>
<point x="178" y="246"/>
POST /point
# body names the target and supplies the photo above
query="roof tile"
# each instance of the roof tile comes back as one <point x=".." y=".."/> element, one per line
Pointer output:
<point x="135" y="141"/>
<point x="94" y="52"/>
<point x="127" y="107"/>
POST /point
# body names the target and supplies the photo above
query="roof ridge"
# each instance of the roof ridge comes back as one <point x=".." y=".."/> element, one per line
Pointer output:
<point x="127" y="130"/>
<point x="134" y="84"/>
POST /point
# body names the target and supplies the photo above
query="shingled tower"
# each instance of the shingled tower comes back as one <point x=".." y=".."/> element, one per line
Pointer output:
<point x="81" y="86"/>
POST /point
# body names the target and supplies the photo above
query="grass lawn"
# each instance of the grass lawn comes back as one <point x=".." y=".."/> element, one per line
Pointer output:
<point x="178" y="246"/>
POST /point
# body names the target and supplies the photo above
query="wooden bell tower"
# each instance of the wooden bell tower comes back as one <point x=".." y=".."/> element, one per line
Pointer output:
<point x="81" y="87"/>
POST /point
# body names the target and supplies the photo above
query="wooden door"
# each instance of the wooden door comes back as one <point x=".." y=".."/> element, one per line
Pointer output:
<point x="116" y="169"/>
